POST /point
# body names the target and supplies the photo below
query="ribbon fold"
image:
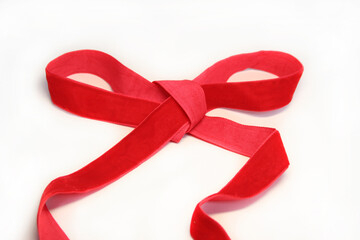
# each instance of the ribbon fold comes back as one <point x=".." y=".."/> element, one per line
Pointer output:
<point x="164" y="111"/>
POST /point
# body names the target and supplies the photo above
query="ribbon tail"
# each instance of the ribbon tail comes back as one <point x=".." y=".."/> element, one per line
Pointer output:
<point x="149" y="137"/>
<point x="268" y="160"/>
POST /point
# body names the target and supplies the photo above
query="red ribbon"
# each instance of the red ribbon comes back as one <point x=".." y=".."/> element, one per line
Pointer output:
<point x="164" y="111"/>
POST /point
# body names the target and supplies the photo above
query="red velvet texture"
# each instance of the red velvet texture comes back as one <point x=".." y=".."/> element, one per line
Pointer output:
<point x="164" y="111"/>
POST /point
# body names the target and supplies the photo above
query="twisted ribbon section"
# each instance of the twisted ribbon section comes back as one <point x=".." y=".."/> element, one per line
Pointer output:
<point x="164" y="111"/>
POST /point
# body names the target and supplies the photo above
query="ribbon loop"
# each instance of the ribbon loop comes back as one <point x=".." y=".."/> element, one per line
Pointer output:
<point x="191" y="98"/>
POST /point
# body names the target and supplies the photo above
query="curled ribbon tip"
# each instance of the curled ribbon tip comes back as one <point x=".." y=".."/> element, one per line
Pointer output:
<point x="164" y="111"/>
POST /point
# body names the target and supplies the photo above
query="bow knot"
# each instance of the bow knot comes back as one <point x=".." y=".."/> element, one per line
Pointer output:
<point x="166" y="111"/>
<point x="191" y="98"/>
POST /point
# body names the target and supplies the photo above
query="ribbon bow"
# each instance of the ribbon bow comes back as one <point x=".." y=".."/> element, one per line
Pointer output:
<point x="164" y="111"/>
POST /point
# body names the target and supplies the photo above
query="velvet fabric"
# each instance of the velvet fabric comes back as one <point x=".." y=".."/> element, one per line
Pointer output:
<point x="164" y="111"/>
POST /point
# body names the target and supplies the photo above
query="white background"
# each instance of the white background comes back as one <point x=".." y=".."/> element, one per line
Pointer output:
<point x="317" y="198"/>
